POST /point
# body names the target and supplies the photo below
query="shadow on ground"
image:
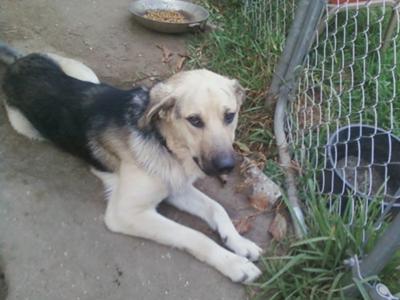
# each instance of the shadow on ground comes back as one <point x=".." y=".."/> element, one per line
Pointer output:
<point x="3" y="282"/>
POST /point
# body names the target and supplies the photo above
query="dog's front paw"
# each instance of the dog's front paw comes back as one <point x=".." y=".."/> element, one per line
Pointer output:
<point x="240" y="269"/>
<point x="243" y="247"/>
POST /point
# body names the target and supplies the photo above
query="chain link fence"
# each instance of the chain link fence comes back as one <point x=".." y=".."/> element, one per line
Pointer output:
<point x="269" y="22"/>
<point x="343" y="124"/>
<point x="269" y="17"/>
<point x="338" y="114"/>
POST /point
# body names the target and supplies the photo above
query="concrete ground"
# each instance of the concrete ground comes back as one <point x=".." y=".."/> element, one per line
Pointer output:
<point x="53" y="242"/>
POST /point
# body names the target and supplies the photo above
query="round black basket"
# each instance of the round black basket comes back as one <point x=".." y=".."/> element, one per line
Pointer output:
<point x="362" y="160"/>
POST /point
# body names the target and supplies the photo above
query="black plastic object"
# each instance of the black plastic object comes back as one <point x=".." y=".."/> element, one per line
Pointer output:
<point x="359" y="150"/>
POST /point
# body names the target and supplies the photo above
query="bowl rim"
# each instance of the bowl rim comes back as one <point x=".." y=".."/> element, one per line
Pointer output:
<point x="136" y="14"/>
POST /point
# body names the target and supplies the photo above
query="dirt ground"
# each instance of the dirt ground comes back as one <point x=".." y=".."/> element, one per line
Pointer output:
<point x="53" y="241"/>
<point x="100" y="33"/>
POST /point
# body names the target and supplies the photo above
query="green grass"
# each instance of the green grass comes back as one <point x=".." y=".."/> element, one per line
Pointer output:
<point x="372" y="97"/>
<point x="312" y="268"/>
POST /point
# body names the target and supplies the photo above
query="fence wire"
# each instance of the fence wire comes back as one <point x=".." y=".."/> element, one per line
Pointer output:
<point x="269" y="22"/>
<point x="343" y="123"/>
<point x="269" y="17"/>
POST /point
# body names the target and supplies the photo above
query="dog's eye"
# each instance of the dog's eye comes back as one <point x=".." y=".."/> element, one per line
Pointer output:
<point x="196" y="121"/>
<point x="228" y="118"/>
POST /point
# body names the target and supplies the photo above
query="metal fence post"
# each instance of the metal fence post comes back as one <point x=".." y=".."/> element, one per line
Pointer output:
<point x="299" y="41"/>
<point x="289" y="49"/>
<point x="386" y="246"/>
<point x="376" y="260"/>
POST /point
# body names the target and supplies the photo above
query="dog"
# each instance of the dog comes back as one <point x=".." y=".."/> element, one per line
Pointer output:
<point x="145" y="145"/>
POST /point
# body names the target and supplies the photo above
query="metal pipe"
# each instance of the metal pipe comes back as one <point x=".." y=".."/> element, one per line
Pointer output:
<point x="305" y="39"/>
<point x="289" y="49"/>
<point x="300" y="39"/>
<point x="393" y="23"/>
<point x="384" y="250"/>
<point x="376" y="260"/>
<point x="285" y="162"/>
<point x="279" y="90"/>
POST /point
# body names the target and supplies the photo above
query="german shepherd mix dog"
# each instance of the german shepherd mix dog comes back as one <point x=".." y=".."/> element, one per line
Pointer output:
<point x="145" y="146"/>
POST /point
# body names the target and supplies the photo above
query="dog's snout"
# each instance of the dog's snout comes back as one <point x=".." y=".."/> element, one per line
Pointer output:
<point x="223" y="162"/>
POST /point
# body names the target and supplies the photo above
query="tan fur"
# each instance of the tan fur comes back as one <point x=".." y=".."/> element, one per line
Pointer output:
<point x="149" y="173"/>
<point x="201" y="93"/>
<point x="144" y="172"/>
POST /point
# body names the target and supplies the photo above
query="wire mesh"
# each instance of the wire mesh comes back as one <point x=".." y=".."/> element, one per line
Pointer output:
<point x="269" y="17"/>
<point x="269" y="22"/>
<point x="343" y="123"/>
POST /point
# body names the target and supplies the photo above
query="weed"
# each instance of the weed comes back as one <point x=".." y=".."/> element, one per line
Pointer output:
<point x="248" y="49"/>
<point x="313" y="268"/>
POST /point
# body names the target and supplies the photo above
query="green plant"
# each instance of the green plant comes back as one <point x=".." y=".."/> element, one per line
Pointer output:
<point x="354" y="79"/>
<point x="313" y="268"/>
<point x="247" y="46"/>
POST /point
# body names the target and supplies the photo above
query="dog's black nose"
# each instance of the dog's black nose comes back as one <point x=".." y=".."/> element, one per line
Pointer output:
<point x="223" y="163"/>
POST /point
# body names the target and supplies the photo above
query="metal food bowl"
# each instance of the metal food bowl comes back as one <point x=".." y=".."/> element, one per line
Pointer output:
<point x="362" y="153"/>
<point x="196" y="15"/>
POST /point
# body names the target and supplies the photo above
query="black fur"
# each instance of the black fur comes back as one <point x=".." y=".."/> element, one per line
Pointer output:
<point x="65" y="110"/>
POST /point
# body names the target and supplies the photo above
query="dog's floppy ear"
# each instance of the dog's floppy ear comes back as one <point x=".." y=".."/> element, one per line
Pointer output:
<point x="239" y="91"/>
<point x="161" y="101"/>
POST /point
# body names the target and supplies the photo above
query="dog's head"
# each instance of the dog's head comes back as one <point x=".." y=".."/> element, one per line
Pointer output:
<point x="197" y="113"/>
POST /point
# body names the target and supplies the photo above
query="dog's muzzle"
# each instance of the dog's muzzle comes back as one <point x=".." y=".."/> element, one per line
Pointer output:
<point x="221" y="163"/>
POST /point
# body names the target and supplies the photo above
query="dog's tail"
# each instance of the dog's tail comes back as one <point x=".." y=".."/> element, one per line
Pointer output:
<point x="8" y="55"/>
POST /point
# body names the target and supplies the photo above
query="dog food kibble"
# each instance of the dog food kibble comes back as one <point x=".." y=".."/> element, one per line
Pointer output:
<point x="169" y="16"/>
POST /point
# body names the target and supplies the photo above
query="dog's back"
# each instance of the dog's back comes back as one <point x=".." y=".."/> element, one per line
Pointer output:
<point x="52" y="102"/>
<point x="63" y="109"/>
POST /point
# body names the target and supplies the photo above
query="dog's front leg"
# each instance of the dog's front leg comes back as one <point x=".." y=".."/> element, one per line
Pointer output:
<point x="197" y="203"/>
<point x="131" y="211"/>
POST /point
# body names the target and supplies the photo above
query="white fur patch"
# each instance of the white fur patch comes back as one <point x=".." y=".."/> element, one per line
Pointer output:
<point x="131" y="211"/>
<point x="109" y="180"/>
<point x="74" y="68"/>
<point x="21" y="124"/>
<point x="158" y="162"/>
